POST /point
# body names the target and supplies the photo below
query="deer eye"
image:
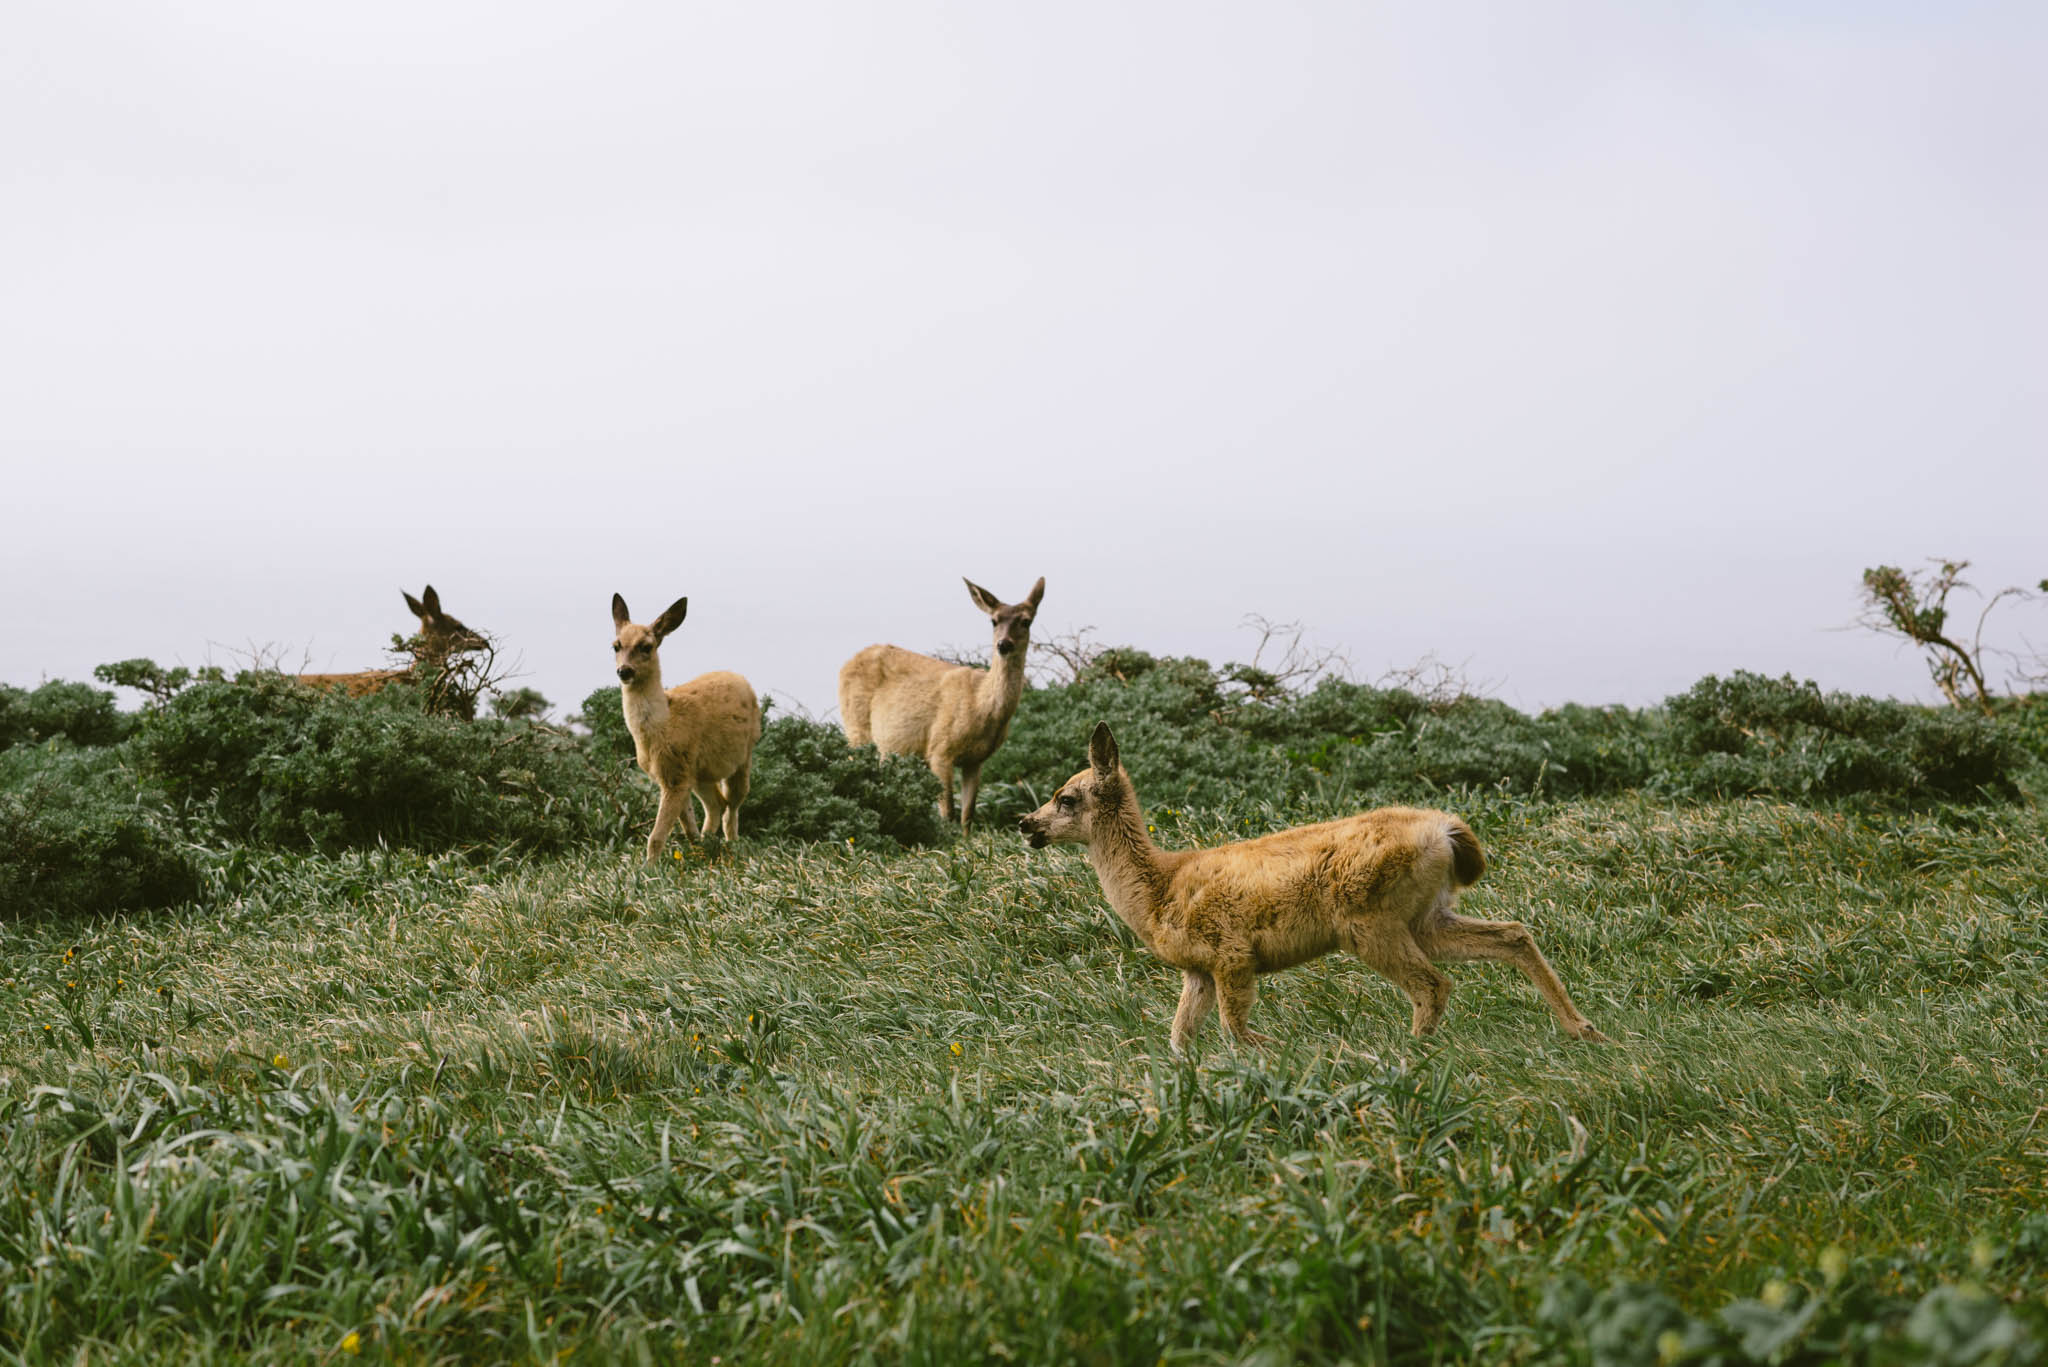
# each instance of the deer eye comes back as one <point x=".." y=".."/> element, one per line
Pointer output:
<point x="617" y="646"/>
<point x="1068" y="801"/>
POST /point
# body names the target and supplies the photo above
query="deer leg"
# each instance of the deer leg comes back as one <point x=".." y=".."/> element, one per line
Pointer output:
<point x="970" y="784"/>
<point x="942" y="769"/>
<point x="1393" y="952"/>
<point x="714" y="809"/>
<point x="1237" y="988"/>
<point x="673" y="803"/>
<point x="1453" y="938"/>
<point x="1197" y="996"/>
<point x="735" y="790"/>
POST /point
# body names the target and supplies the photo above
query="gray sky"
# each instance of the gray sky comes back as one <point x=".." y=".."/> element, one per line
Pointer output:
<point x="1594" y="347"/>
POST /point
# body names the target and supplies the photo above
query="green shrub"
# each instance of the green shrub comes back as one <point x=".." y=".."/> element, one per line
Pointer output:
<point x="1376" y="740"/>
<point x="79" y="836"/>
<point x="1752" y="734"/>
<point x="151" y="679"/>
<point x="80" y="713"/>
<point x="286" y="765"/>
<point x="520" y="704"/>
<point x="1191" y="743"/>
<point x="603" y="716"/>
<point x="808" y="784"/>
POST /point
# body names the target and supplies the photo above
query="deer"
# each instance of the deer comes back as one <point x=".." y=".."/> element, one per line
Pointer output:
<point x="1380" y="884"/>
<point x="697" y="737"/>
<point x="439" y="637"/>
<point x="952" y="716"/>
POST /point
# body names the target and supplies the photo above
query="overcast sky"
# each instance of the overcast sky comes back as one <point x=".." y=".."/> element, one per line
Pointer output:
<point x="1593" y="347"/>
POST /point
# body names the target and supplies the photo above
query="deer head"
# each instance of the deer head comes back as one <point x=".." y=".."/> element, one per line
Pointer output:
<point x="1101" y="788"/>
<point x="440" y="635"/>
<point x="1012" y="621"/>
<point x="633" y="645"/>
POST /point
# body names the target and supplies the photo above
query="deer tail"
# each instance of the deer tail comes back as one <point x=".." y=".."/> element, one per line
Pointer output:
<point x="1468" y="861"/>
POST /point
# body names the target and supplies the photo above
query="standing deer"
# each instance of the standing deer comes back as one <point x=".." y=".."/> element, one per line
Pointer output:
<point x="1380" y="884"/>
<point x="696" y="737"/>
<point x="439" y="637"/>
<point x="955" y="716"/>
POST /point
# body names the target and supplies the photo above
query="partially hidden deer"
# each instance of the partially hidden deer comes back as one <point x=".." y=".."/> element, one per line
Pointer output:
<point x="1380" y="885"/>
<point x="439" y="637"/>
<point x="697" y="737"/>
<point x="953" y="716"/>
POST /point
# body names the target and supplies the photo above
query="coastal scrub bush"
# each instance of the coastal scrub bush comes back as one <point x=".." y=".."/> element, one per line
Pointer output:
<point x="1191" y="740"/>
<point x="80" y="713"/>
<point x="808" y="784"/>
<point x="1378" y="739"/>
<point x="293" y="766"/>
<point x="80" y="835"/>
<point x="1752" y="734"/>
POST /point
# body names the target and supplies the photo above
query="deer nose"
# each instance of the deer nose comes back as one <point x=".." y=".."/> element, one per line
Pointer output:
<point x="625" y="673"/>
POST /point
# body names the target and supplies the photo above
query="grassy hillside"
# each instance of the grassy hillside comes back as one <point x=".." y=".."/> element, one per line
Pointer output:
<point x="818" y="1101"/>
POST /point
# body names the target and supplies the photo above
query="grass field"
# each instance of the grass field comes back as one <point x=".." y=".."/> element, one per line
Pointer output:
<point x="802" y="1103"/>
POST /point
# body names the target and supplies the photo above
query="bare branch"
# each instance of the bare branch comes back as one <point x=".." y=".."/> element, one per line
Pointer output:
<point x="1062" y="659"/>
<point x="1298" y="667"/>
<point x="1438" y="683"/>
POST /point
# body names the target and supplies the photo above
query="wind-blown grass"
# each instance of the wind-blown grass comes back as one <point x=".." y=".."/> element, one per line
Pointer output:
<point x="802" y="1103"/>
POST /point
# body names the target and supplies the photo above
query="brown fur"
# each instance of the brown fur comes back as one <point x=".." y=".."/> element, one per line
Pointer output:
<point x="1380" y="884"/>
<point x="439" y="637"/>
<point x="955" y="716"/>
<point x="696" y="737"/>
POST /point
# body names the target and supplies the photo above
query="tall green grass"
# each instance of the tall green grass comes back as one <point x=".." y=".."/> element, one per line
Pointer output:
<point x="804" y="1102"/>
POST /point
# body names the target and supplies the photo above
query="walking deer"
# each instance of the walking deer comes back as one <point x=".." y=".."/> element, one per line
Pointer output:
<point x="439" y="637"/>
<point x="1380" y="884"/>
<point x="696" y="737"/>
<point x="955" y="716"/>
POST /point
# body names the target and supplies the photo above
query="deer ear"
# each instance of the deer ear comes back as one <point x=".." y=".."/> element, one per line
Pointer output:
<point x="983" y="599"/>
<point x="673" y="618"/>
<point x="1037" y="592"/>
<point x="1102" y="750"/>
<point x="432" y="600"/>
<point x="619" y="614"/>
<point x="415" y="606"/>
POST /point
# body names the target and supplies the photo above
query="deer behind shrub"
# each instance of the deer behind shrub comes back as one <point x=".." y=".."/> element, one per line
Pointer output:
<point x="439" y="637"/>
<point x="696" y="737"/>
<point x="954" y="716"/>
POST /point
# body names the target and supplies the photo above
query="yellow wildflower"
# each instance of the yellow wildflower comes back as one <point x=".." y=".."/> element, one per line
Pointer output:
<point x="352" y="1343"/>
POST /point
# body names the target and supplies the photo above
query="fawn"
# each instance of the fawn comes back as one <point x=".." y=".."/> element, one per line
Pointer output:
<point x="696" y="737"/>
<point x="955" y="716"/>
<point x="1380" y="884"/>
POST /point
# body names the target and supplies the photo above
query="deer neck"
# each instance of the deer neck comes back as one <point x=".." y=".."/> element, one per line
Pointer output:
<point x="1127" y="863"/>
<point x="646" y="704"/>
<point x="1001" y="685"/>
